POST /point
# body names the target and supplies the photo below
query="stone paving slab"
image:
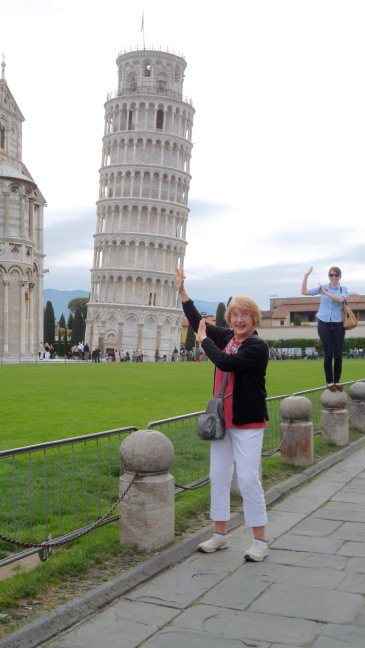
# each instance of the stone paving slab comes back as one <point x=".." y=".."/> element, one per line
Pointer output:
<point x="352" y="549"/>
<point x="323" y="485"/>
<point x="174" y="638"/>
<point x="349" y="494"/>
<point x="309" y="603"/>
<point x="289" y="541"/>
<point x="248" y="625"/>
<point x="301" y="503"/>
<point x="354" y="583"/>
<point x="341" y="636"/>
<point x="339" y="563"/>
<point x="351" y="531"/>
<point x="316" y="527"/>
<point x="336" y="511"/>
<point x="280" y="522"/>
<point x="131" y="623"/>
<point x="179" y="589"/>
<point x="300" y="576"/>
<point x="356" y="565"/>
<point x="235" y="592"/>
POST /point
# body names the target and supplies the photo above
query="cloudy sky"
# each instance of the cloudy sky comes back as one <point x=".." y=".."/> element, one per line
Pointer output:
<point x="278" y="161"/>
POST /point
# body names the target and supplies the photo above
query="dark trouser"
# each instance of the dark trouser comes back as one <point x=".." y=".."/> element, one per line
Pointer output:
<point x="332" y="336"/>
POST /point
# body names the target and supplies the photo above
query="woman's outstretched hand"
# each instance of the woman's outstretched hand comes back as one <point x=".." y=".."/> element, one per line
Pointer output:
<point x="202" y="330"/>
<point x="180" y="285"/>
<point x="179" y="280"/>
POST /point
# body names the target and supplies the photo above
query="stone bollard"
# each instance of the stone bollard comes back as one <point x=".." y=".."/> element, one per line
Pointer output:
<point x="334" y="418"/>
<point x="296" y="431"/>
<point x="357" y="406"/>
<point x="147" y="512"/>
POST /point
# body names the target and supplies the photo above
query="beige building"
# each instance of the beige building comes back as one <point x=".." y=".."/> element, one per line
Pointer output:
<point x="142" y="210"/>
<point x="278" y="321"/>
<point x="21" y="239"/>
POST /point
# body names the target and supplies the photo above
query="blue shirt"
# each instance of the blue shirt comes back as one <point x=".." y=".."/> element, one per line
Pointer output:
<point x="329" y="309"/>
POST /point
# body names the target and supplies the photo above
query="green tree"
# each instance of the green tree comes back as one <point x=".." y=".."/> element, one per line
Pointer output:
<point x="79" y="304"/>
<point x="70" y="322"/>
<point x="229" y="301"/>
<point x="297" y="321"/>
<point x="190" y="339"/>
<point x="62" y="325"/>
<point x="77" y="328"/>
<point x="221" y="309"/>
<point x="49" y="324"/>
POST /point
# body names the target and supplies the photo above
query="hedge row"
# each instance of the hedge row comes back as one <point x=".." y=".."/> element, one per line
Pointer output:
<point x="303" y="343"/>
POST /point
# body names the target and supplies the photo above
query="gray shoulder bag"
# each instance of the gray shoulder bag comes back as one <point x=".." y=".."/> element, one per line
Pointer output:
<point x="211" y="425"/>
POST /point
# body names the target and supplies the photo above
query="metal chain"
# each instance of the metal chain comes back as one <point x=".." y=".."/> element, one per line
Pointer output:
<point x="269" y="453"/>
<point x="203" y="483"/>
<point x="55" y="543"/>
<point x="358" y="403"/>
<point x="330" y="411"/>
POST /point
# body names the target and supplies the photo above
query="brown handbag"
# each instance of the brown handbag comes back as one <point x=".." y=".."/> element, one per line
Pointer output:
<point x="348" y="318"/>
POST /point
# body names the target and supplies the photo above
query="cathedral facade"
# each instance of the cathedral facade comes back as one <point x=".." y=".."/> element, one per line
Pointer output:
<point x="21" y="240"/>
<point x="142" y="210"/>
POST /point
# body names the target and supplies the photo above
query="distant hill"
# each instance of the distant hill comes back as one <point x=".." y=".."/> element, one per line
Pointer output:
<point x="61" y="298"/>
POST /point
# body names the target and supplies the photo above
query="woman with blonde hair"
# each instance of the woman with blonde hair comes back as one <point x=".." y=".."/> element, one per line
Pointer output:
<point x="239" y="352"/>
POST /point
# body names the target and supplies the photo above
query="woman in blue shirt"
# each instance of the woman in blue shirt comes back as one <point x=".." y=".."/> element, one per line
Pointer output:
<point x="330" y="327"/>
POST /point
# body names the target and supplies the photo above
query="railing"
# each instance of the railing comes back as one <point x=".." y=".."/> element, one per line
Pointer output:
<point x="150" y="47"/>
<point x="148" y="90"/>
<point x="59" y="487"/>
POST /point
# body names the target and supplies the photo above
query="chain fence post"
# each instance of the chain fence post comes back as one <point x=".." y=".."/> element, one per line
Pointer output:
<point x="334" y="418"/>
<point x="357" y="406"/>
<point x="296" y="431"/>
<point x="147" y="513"/>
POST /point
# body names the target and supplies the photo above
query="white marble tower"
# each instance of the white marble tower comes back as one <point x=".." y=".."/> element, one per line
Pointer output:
<point x="142" y="211"/>
<point x="21" y="240"/>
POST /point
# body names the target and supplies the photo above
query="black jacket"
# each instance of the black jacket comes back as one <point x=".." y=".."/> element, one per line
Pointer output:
<point x="248" y="364"/>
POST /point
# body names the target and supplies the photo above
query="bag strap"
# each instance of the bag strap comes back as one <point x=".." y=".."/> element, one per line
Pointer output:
<point x="223" y="386"/>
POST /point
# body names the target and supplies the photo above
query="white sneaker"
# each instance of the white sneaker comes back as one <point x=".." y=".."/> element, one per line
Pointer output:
<point x="257" y="552"/>
<point x="214" y="544"/>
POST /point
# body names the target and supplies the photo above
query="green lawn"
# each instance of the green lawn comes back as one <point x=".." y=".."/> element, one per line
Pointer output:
<point x="48" y="402"/>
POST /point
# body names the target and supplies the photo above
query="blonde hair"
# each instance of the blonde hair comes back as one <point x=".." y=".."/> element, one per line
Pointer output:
<point x="244" y="304"/>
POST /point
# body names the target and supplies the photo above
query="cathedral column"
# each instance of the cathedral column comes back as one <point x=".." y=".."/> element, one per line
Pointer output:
<point x="92" y="295"/>
<point x="6" y="315"/>
<point x="23" y="286"/>
<point x="6" y="224"/>
<point x="120" y="336"/>
<point x="32" y="346"/>
<point x="158" y="337"/>
<point x="139" y="338"/>
<point x="31" y="218"/>
<point x="22" y="215"/>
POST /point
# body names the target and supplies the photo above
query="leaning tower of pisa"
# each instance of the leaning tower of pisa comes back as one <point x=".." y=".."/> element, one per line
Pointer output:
<point x="142" y="210"/>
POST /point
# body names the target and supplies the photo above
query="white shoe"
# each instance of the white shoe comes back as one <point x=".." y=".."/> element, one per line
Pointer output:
<point x="214" y="544"/>
<point x="257" y="552"/>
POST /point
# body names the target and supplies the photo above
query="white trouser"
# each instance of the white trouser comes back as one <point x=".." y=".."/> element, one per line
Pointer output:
<point x="243" y="448"/>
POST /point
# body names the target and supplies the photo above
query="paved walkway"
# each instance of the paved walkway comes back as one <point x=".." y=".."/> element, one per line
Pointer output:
<point x="308" y="592"/>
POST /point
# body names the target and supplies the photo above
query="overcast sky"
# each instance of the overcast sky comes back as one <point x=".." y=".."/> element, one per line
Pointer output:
<point x="278" y="163"/>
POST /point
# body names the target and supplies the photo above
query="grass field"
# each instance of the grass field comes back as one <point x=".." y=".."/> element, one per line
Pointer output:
<point x="48" y="402"/>
<point x="54" y="401"/>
